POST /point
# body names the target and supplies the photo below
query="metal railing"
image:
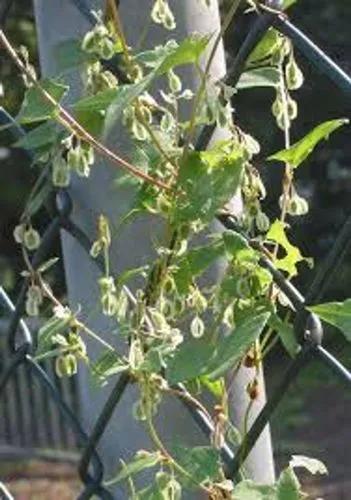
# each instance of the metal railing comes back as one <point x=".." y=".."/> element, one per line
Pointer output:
<point x="21" y="342"/>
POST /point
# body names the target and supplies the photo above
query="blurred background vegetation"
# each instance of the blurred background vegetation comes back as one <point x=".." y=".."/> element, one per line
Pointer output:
<point x="314" y="417"/>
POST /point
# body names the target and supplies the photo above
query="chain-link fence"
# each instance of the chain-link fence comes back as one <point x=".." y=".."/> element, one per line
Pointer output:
<point x="21" y="342"/>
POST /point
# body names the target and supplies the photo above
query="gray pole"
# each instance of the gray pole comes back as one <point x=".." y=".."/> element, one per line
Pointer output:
<point x="59" y="21"/>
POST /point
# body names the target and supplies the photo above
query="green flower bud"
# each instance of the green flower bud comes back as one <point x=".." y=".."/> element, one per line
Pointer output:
<point x="262" y="222"/>
<point x="106" y="48"/>
<point x="34" y="293"/>
<point x="107" y="285"/>
<point x="292" y="108"/>
<point x="139" y="412"/>
<point x="297" y="205"/>
<point x="294" y="76"/>
<point x="71" y="365"/>
<point x="83" y="169"/>
<point x="96" y="249"/>
<point x="74" y="157"/>
<point x="283" y="121"/>
<point x="146" y="114"/>
<point x="61" y="174"/>
<point x="66" y="365"/>
<point x="162" y="479"/>
<point x="89" y="154"/>
<point x="174" y="82"/>
<point x="89" y="42"/>
<point x="197" y="327"/>
<point x="31" y="239"/>
<point x="277" y="106"/>
<point x="32" y="307"/>
<point x="136" y="355"/>
<point x="122" y="305"/>
<point x="109" y="304"/>
<point x="18" y="233"/>
<point x="158" y="11"/>
<point x="168" y="20"/>
<point x="139" y="131"/>
<point x="104" y="230"/>
<point x="167" y="122"/>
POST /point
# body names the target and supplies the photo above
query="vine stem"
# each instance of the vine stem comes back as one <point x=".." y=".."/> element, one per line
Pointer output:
<point x="199" y="95"/>
<point x="71" y="124"/>
<point x="288" y="175"/>
<point x="161" y="447"/>
<point x="129" y="62"/>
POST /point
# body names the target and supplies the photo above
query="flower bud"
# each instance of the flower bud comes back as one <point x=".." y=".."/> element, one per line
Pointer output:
<point x="61" y="175"/>
<point x="89" y="42"/>
<point x="96" y="249"/>
<point x="294" y="75"/>
<point x="18" y="233"/>
<point x="292" y="108"/>
<point x="139" y="131"/>
<point x="32" y="307"/>
<point x="262" y="222"/>
<point x="66" y="365"/>
<point x="277" y="106"/>
<point x="197" y="327"/>
<point x="297" y="205"/>
<point x="107" y="285"/>
<point x="34" y="293"/>
<point x="31" y="239"/>
<point x="106" y="48"/>
<point x="109" y="304"/>
<point x="174" y="82"/>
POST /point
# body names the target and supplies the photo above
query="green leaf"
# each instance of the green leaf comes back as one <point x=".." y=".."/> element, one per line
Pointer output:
<point x="125" y="95"/>
<point x="337" y="314"/>
<point x="140" y="463"/>
<point x="199" y="357"/>
<point x="248" y="490"/>
<point x="98" y="102"/>
<point x="90" y="111"/>
<point x="207" y="180"/>
<point x="195" y="262"/>
<point x="233" y="347"/>
<point x="288" y="3"/>
<point x="189" y="361"/>
<point x="188" y="52"/>
<point x="312" y="465"/>
<point x="52" y="327"/>
<point x="166" y="58"/>
<point x="47" y="265"/>
<point x="237" y="247"/>
<point x="215" y="387"/>
<point x="69" y="55"/>
<point x="107" y="365"/>
<point x="260" y="77"/>
<point x="46" y="134"/>
<point x="151" y="492"/>
<point x="267" y="46"/>
<point x="36" y="107"/>
<point x="277" y="234"/>
<point x="201" y="463"/>
<point x="298" y="153"/>
<point x="286" y="334"/>
<point x="163" y="59"/>
<point x="37" y="201"/>
<point x="288" y="486"/>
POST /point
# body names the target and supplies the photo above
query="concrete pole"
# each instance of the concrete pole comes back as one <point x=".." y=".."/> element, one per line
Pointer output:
<point x="58" y="21"/>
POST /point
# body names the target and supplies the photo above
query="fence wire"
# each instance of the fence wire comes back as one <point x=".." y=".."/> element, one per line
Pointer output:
<point x="21" y="342"/>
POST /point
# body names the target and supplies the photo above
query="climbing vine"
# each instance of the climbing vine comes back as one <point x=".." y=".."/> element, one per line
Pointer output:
<point x="177" y="330"/>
